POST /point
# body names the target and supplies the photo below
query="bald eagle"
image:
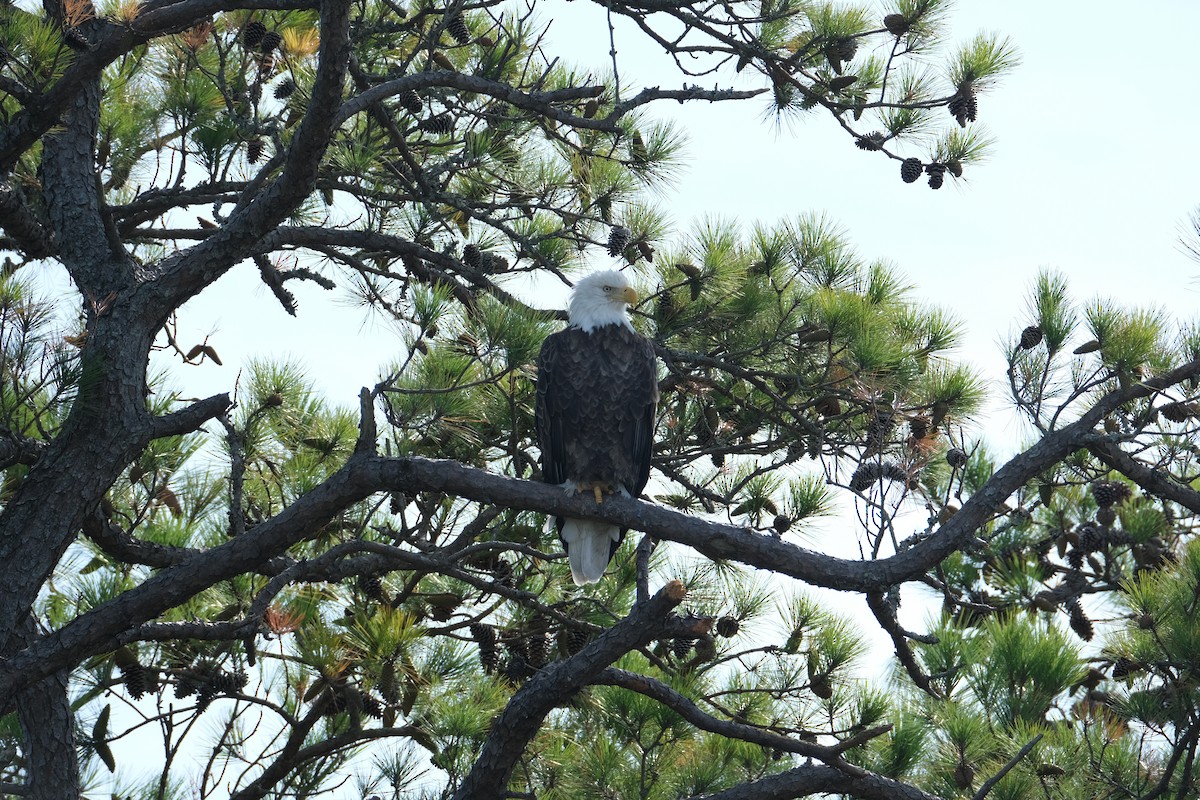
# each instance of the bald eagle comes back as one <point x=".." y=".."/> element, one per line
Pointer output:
<point x="596" y="395"/>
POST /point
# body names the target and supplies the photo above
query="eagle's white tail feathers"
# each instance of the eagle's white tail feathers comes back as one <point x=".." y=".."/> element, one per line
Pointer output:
<point x="589" y="542"/>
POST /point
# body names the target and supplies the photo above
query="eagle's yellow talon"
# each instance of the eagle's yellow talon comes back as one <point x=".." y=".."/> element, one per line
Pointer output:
<point x="599" y="494"/>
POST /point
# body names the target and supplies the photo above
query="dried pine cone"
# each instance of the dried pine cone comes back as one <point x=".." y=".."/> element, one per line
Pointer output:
<point x="956" y="457"/>
<point x="1108" y="493"/>
<point x="872" y="141"/>
<point x="410" y="100"/>
<point x="270" y="40"/>
<point x="618" y="240"/>
<point x="1031" y="337"/>
<point x="485" y="637"/>
<point x="253" y="34"/>
<point x="1079" y="621"/>
<point x="457" y="27"/>
<point x="911" y="169"/>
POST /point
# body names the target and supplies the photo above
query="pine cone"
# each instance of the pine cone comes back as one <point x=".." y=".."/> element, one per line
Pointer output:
<point x="781" y="523"/>
<point x="457" y="27"/>
<point x="618" y="240"/>
<point x="1090" y="539"/>
<point x="537" y="648"/>
<point x="1179" y="412"/>
<point x="879" y="430"/>
<point x="494" y="263"/>
<point x="964" y="106"/>
<point x="727" y="627"/>
<point x="472" y="256"/>
<point x="911" y="169"/>
<point x="1031" y="337"/>
<point x="956" y="457"/>
<point x="254" y="150"/>
<point x="896" y="24"/>
<point x="253" y="34"/>
<point x="840" y="51"/>
<point x="1108" y="493"/>
<point x="371" y="586"/>
<point x="134" y="676"/>
<point x="440" y="125"/>
<point x="228" y="682"/>
<point x="285" y="89"/>
<point x="270" y="40"/>
<point x="863" y="477"/>
<point x="204" y="697"/>
<point x="411" y="101"/>
<point x="937" y="175"/>
<point x="681" y="647"/>
<point x="572" y="640"/>
<point x="1079" y="621"/>
<point x="1122" y="668"/>
<point x="872" y="141"/>
<point x="485" y="637"/>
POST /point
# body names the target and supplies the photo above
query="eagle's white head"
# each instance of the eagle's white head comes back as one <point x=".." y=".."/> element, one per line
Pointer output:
<point x="601" y="299"/>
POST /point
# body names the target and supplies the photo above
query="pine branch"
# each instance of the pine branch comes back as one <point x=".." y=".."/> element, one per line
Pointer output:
<point x="991" y="782"/>
<point x="660" y="692"/>
<point x="886" y="617"/>
<point x="362" y="476"/>
<point x="522" y="717"/>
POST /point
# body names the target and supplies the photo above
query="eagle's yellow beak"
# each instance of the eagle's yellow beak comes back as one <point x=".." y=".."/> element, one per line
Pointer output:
<point x="629" y="296"/>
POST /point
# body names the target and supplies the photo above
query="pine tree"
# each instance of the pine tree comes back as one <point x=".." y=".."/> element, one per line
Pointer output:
<point x="376" y="585"/>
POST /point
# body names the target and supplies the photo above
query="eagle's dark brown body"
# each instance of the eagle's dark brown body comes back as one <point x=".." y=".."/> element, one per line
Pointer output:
<point x="596" y="399"/>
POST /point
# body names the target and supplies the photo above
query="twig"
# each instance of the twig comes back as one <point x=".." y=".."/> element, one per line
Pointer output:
<point x="991" y="782"/>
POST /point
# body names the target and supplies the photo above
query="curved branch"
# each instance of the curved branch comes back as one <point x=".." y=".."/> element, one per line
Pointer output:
<point x="660" y="692"/>
<point x="1156" y="482"/>
<point x="813" y="780"/>
<point x="364" y="475"/>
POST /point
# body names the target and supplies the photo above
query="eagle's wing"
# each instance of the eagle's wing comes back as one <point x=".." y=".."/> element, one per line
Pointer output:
<point x="547" y="416"/>
<point x="643" y="383"/>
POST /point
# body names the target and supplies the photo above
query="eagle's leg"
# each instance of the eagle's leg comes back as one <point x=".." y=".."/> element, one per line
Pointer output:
<point x="597" y="488"/>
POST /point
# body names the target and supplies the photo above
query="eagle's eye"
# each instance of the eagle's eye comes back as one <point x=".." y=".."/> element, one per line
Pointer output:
<point x="608" y="288"/>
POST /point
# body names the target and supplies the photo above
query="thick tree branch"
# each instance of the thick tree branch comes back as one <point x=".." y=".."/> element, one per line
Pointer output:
<point x="1156" y="482"/>
<point x="19" y="450"/>
<point x="16" y="220"/>
<point x="364" y="475"/>
<point x="523" y="716"/>
<point x="188" y="420"/>
<point x="820" y="780"/>
<point x="48" y="725"/>
<point x="116" y="542"/>
<point x="886" y="617"/>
